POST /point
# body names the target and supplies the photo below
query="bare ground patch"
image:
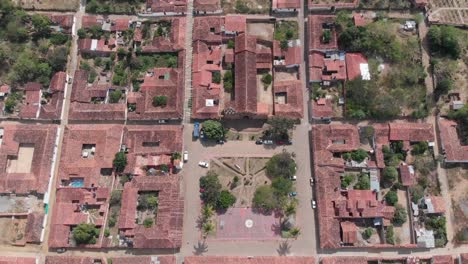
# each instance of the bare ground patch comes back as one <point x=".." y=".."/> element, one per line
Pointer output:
<point x="61" y="5"/>
<point x="458" y="188"/>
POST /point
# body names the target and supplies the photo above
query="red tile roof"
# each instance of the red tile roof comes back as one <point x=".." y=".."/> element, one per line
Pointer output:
<point x="235" y="23"/>
<point x="450" y="142"/>
<point x="167" y="82"/>
<point x="167" y="231"/>
<point x="286" y="4"/>
<point x="120" y="24"/>
<point x="207" y="5"/>
<point x="174" y="42"/>
<point x="322" y="108"/>
<point x="69" y="260"/>
<point x="203" y="87"/>
<point x="442" y="259"/>
<point x="179" y="6"/>
<point x="293" y="106"/>
<point x="64" y="21"/>
<point x="144" y="260"/>
<point x="438" y="203"/>
<point x="353" y="61"/>
<point x="103" y="47"/>
<point x="17" y="260"/>
<point x="359" y="20"/>
<point x="42" y="138"/>
<point x="5" y="88"/>
<point x="407" y="178"/>
<point x="106" y="139"/>
<point x="34" y="227"/>
<point x="293" y="56"/>
<point x="412" y="132"/>
<point x="322" y="68"/>
<point x="316" y="23"/>
<point x="68" y="212"/>
<point x="57" y="83"/>
<point x="89" y="21"/>
<point x="33" y="86"/>
<point x="82" y="106"/>
<point x="349" y="230"/>
<point x="247" y="260"/>
<point x="208" y="29"/>
<point x="31" y="105"/>
<point x="362" y="204"/>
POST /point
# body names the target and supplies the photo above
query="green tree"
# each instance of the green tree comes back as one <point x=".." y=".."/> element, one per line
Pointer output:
<point x="114" y="96"/>
<point x="106" y="232"/>
<point x="213" y="129"/>
<point x="281" y="186"/>
<point x="226" y="200"/>
<point x="326" y="37"/>
<point x="290" y="208"/>
<point x="281" y="165"/>
<point x="359" y="155"/>
<point x="230" y="44"/>
<point x="391" y="198"/>
<point x="176" y="156"/>
<point x="10" y="104"/>
<point x="389" y="176"/>
<point x="85" y="233"/>
<point x="207" y="212"/>
<point x="148" y="222"/>
<point x="81" y="33"/>
<point x="279" y="127"/>
<point x="417" y="192"/>
<point x="267" y="79"/>
<point x="283" y="44"/>
<point x="390" y="235"/>
<point x="264" y="198"/>
<point x="57" y="58"/>
<point x="153" y="202"/>
<point x="120" y="161"/>
<point x="208" y="228"/>
<point x="228" y="81"/>
<point x="420" y="148"/>
<point x="15" y="32"/>
<point x="445" y="40"/>
<point x="400" y="215"/>
<point x="216" y="77"/>
<point x="115" y="198"/>
<point x="347" y="180"/>
<point x="368" y="232"/>
<point x="363" y="182"/>
<point x="159" y="101"/>
<point x="211" y="189"/>
<point x="295" y="232"/>
<point x="41" y="25"/>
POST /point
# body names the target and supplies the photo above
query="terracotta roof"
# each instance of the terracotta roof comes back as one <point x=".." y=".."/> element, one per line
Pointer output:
<point x="88" y="21"/>
<point x="144" y="260"/>
<point x="33" y="86"/>
<point x="322" y="68"/>
<point x="412" y="132"/>
<point x="208" y="29"/>
<point x="120" y="24"/>
<point x="167" y="82"/>
<point x="293" y="56"/>
<point x="438" y="204"/>
<point x="17" y="260"/>
<point x="82" y="106"/>
<point x="207" y="5"/>
<point x="450" y="142"/>
<point x="5" y="88"/>
<point x="349" y="230"/>
<point x="105" y="139"/>
<point x="235" y="23"/>
<point x="316" y="23"/>
<point x="42" y="138"/>
<point x="34" y="227"/>
<point x="362" y="204"/>
<point x="69" y="260"/>
<point x="464" y="258"/>
<point x="31" y="105"/>
<point x="57" y="83"/>
<point x="291" y="91"/>
<point x="407" y="178"/>
<point x="206" y="60"/>
<point x="101" y="46"/>
<point x="64" y="21"/>
<point x="285" y="4"/>
<point x="179" y="6"/>
<point x="353" y="62"/>
<point x="67" y="212"/>
<point x="247" y="260"/>
<point x="167" y="231"/>
<point x="322" y="108"/>
<point x="359" y="20"/>
<point x="174" y="42"/>
<point x="442" y="259"/>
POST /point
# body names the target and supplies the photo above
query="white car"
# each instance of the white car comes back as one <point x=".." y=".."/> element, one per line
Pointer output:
<point x="203" y="164"/>
<point x="311" y="181"/>
<point x="293" y="178"/>
<point x="185" y="156"/>
<point x="314" y="205"/>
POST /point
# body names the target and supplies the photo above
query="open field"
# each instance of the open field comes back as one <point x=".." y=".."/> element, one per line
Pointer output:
<point x="458" y="187"/>
<point x="59" y="5"/>
<point x="11" y="230"/>
<point x="246" y="6"/>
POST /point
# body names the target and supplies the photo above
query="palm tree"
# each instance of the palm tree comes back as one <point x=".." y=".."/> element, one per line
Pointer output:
<point x="176" y="156"/>
<point x="208" y="228"/>
<point x="207" y="212"/>
<point x="290" y="209"/>
<point x="295" y="232"/>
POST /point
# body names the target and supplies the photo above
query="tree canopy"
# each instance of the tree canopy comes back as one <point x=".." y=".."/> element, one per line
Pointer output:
<point x="281" y="165"/>
<point x="445" y="41"/>
<point x="213" y="129"/>
<point x="120" y="161"/>
<point x="85" y="233"/>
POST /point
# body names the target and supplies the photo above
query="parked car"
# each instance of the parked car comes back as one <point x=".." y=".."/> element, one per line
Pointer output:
<point x="196" y="129"/>
<point x="220" y="141"/>
<point x="185" y="156"/>
<point x="268" y="142"/>
<point x="289" y="142"/>
<point x="202" y="134"/>
<point x="162" y="121"/>
<point x="311" y="181"/>
<point x="259" y="142"/>
<point x="293" y="178"/>
<point x="292" y="194"/>
<point x="203" y="164"/>
<point x="314" y="205"/>
<point x="61" y="250"/>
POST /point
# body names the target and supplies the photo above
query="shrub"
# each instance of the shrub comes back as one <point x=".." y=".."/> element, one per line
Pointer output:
<point x="85" y="233"/>
<point x="390" y="235"/>
<point x="368" y="232"/>
<point x="363" y="182"/>
<point x="326" y="37"/>
<point x="400" y="215"/>
<point x="347" y="180"/>
<point x="230" y="44"/>
<point x="226" y="200"/>
<point x="148" y="222"/>
<point x="417" y="192"/>
<point x="391" y="198"/>
<point x="420" y="148"/>
<point x="106" y="232"/>
<point x="389" y="175"/>
<point x="10" y="104"/>
<point x="114" y="96"/>
<point x="216" y="77"/>
<point x="359" y="155"/>
<point x="159" y="101"/>
<point x="267" y="79"/>
<point x="81" y="33"/>
<point x="115" y="198"/>
<point x="283" y="44"/>
<point x="120" y="161"/>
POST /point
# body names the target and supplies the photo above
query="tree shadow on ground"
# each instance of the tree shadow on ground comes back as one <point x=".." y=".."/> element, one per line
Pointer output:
<point x="200" y="248"/>
<point x="284" y="248"/>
